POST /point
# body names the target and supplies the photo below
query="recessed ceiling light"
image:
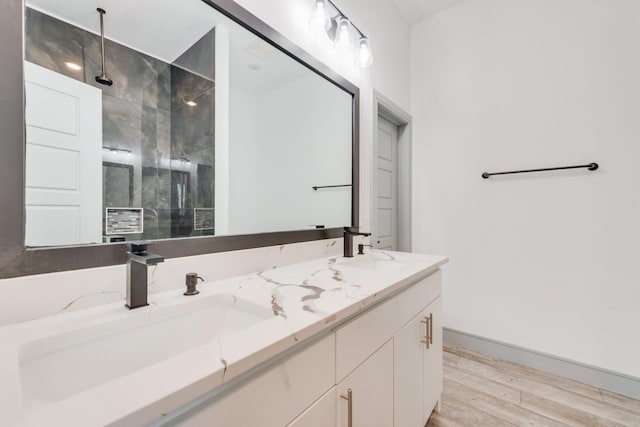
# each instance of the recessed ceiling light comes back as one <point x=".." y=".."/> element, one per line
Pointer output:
<point x="261" y="50"/>
<point x="73" y="66"/>
<point x="191" y="103"/>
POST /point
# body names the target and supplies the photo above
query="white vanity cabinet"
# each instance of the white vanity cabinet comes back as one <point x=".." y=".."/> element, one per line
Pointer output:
<point x="406" y="383"/>
<point x="371" y="386"/>
<point x="432" y="358"/>
<point x="273" y="397"/>
<point x="389" y="357"/>
<point x="321" y="414"/>
<point x="417" y="351"/>
<point x="408" y="373"/>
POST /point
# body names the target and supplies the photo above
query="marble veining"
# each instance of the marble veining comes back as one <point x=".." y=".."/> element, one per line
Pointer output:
<point x="80" y="298"/>
<point x="57" y="290"/>
<point x="337" y="274"/>
<point x="222" y="359"/>
<point x="305" y="299"/>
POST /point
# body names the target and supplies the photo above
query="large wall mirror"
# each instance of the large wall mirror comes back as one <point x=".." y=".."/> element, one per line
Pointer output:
<point x="191" y="124"/>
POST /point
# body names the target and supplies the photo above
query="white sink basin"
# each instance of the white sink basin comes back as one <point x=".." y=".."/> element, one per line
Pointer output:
<point x="58" y="367"/>
<point x="368" y="262"/>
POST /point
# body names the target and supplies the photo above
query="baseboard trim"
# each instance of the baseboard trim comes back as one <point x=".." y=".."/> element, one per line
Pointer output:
<point x="594" y="376"/>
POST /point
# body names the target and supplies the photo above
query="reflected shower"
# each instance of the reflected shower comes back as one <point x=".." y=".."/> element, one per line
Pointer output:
<point x="102" y="78"/>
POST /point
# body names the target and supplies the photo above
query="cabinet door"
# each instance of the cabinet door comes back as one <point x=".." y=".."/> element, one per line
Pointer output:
<point x="321" y="414"/>
<point x="360" y="337"/>
<point x="408" y="377"/>
<point x="433" y="359"/>
<point x="372" y="391"/>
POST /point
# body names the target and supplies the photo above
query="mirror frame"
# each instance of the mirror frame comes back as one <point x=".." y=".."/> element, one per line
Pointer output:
<point x="17" y="260"/>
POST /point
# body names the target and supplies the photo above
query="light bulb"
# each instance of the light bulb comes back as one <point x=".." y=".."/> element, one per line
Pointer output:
<point x="320" y="21"/>
<point x="364" y="57"/>
<point x="342" y="41"/>
<point x="73" y="66"/>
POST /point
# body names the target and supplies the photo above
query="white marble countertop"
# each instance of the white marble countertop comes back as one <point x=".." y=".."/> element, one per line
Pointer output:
<point x="306" y="299"/>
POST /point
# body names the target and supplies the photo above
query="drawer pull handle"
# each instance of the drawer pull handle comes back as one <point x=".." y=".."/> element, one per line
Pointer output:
<point x="430" y="329"/>
<point x="427" y="339"/>
<point x="349" y="399"/>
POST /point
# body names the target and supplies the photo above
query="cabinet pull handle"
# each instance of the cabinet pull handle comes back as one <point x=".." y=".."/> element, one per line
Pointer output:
<point x="349" y="399"/>
<point x="430" y="329"/>
<point x="426" y="337"/>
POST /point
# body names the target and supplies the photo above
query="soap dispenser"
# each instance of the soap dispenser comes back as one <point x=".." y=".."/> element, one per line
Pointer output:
<point x="192" y="282"/>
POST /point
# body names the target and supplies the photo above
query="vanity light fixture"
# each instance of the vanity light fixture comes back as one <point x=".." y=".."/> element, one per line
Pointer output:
<point x="117" y="150"/>
<point x="342" y="40"/>
<point x="364" y="58"/>
<point x="180" y="164"/>
<point x="73" y="66"/>
<point x="320" y="22"/>
<point x="330" y="21"/>
<point x="182" y="159"/>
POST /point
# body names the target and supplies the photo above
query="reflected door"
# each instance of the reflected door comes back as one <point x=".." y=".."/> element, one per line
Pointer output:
<point x="386" y="198"/>
<point x="63" y="167"/>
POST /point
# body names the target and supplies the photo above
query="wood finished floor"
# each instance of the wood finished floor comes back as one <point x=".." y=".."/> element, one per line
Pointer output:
<point x="482" y="391"/>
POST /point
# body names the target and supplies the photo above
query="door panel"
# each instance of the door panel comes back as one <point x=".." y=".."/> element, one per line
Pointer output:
<point x="433" y="360"/>
<point x="65" y="219"/>
<point x="386" y="211"/>
<point x="63" y="167"/>
<point x="40" y="160"/>
<point x="372" y="387"/>
<point x="408" y="374"/>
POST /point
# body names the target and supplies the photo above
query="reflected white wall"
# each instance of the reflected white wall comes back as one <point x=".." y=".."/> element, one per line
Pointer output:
<point x="282" y="143"/>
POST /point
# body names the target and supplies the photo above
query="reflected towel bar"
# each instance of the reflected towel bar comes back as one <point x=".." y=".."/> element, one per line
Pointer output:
<point x="590" y="166"/>
<point x="330" y="186"/>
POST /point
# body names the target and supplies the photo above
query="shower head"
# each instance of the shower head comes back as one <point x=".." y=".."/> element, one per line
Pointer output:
<point x="102" y="78"/>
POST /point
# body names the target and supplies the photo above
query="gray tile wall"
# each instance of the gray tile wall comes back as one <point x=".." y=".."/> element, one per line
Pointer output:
<point x="144" y="112"/>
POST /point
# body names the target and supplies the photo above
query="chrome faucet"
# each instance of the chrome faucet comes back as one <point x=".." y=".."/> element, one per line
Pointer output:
<point x="138" y="259"/>
<point x="348" y="240"/>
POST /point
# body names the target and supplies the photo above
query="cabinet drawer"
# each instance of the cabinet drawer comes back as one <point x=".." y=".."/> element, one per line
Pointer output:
<point x="275" y="396"/>
<point x="359" y="338"/>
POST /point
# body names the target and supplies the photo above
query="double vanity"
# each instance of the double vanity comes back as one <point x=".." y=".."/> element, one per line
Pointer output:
<point x="217" y="136"/>
<point x="320" y="343"/>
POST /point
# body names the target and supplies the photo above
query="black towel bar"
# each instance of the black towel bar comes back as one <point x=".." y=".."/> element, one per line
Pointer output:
<point x="590" y="166"/>
<point x="329" y="186"/>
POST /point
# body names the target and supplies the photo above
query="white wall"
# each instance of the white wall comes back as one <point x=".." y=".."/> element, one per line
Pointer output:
<point x="389" y="74"/>
<point x="243" y="158"/>
<point x="297" y="154"/>
<point x="288" y="140"/>
<point x="544" y="261"/>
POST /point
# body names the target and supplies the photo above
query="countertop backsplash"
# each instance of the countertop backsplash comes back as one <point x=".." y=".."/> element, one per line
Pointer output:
<point x="32" y="297"/>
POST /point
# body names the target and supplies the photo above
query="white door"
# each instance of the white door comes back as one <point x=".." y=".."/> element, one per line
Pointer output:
<point x="433" y="359"/>
<point x="372" y="391"/>
<point x="408" y="375"/>
<point x="386" y="188"/>
<point x="63" y="166"/>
